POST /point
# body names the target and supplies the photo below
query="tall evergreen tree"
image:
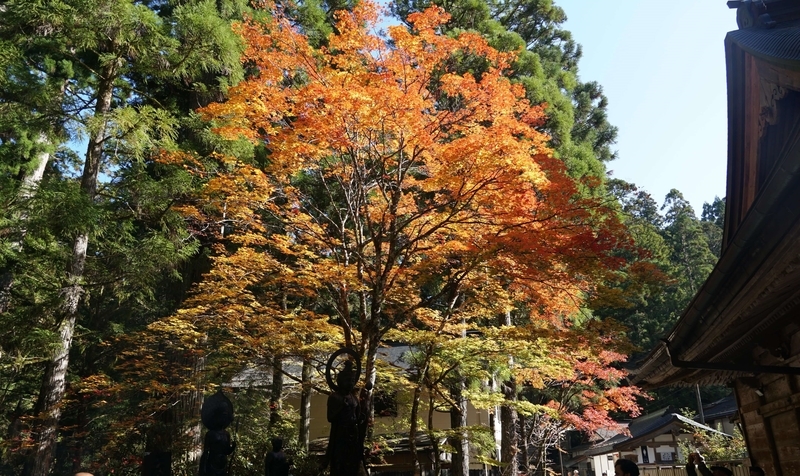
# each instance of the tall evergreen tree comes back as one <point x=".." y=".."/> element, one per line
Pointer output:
<point x="120" y="77"/>
<point x="690" y="253"/>
<point x="674" y="258"/>
<point x="713" y="221"/>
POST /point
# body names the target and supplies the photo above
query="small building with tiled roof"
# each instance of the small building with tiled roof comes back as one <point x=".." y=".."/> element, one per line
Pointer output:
<point x="650" y="440"/>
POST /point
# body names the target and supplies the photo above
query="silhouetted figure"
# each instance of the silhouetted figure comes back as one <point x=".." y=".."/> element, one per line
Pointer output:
<point x="625" y="467"/>
<point x="276" y="463"/>
<point x="697" y="459"/>
<point x="217" y="414"/>
<point x="216" y="448"/>
<point x="345" y="447"/>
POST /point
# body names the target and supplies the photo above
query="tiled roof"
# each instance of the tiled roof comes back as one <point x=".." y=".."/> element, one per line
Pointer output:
<point x="259" y="374"/>
<point x="722" y="408"/>
<point x="644" y="428"/>
<point x="779" y="45"/>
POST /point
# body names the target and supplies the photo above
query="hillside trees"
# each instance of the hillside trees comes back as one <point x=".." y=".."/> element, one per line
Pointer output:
<point x="713" y="220"/>
<point x="641" y="297"/>
<point x="87" y="71"/>
<point x="690" y="250"/>
<point x="676" y="252"/>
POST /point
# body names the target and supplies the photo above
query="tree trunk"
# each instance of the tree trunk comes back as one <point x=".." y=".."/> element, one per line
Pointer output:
<point x="48" y="405"/>
<point x="31" y="181"/>
<point x="436" y="453"/>
<point x="186" y="425"/>
<point x="370" y="374"/>
<point x="524" y="460"/>
<point x="458" y="421"/>
<point x="509" y="453"/>
<point x="276" y="392"/>
<point x="412" y="432"/>
<point x="305" y="405"/>
<point x="415" y="403"/>
<point x="496" y="426"/>
<point x="510" y="442"/>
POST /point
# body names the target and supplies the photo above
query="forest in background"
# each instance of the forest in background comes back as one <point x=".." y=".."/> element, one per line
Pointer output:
<point x="164" y="220"/>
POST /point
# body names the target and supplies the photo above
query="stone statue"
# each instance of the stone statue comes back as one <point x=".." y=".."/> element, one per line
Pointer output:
<point x="276" y="463"/>
<point x="347" y="418"/>
<point x="217" y="415"/>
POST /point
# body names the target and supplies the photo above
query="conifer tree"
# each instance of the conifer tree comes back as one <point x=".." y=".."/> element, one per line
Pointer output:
<point x="95" y="73"/>
<point x="689" y="248"/>
<point x="712" y="220"/>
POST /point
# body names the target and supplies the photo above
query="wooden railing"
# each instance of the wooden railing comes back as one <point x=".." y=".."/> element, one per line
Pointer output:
<point x="681" y="471"/>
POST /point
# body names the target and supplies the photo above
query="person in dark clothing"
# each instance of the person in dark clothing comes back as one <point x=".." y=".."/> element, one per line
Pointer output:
<point x="720" y="471"/>
<point x="625" y="467"/>
<point x="697" y="459"/>
<point x="276" y="462"/>
<point x="756" y="471"/>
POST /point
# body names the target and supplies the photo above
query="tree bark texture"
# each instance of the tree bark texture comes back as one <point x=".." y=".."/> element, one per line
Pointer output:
<point x="495" y="424"/>
<point x="458" y="421"/>
<point x="276" y="392"/>
<point x="48" y="405"/>
<point x="412" y="432"/>
<point x="305" y="405"/>
<point x="370" y="374"/>
<point x="509" y="420"/>
<point x="509" y="453"/>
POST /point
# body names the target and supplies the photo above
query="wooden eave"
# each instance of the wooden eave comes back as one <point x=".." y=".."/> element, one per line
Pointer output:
<point x="755" y="286"/>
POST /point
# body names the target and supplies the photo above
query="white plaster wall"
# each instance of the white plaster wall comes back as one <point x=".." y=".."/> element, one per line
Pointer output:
<point x="602" y="464"/>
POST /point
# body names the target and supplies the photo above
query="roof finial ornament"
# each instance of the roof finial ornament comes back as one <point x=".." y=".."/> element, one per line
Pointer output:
<point x="751" y="13"/>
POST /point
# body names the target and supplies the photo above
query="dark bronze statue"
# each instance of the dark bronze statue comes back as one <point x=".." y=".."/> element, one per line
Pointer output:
<point x="217" y="415"/>
<point x="347" y="418"/>
<point x="276" y="463"/>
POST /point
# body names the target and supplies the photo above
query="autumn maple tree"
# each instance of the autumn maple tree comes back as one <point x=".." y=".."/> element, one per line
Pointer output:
<point x="399" y="183"/>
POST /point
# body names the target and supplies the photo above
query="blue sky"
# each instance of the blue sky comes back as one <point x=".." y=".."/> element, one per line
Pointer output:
<point x="662" y="66"/>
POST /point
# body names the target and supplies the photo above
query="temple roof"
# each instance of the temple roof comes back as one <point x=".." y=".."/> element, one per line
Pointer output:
<point x="779" y="45"/>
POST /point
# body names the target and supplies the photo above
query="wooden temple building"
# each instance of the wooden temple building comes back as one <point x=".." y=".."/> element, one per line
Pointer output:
<point x="743" y="326"/>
